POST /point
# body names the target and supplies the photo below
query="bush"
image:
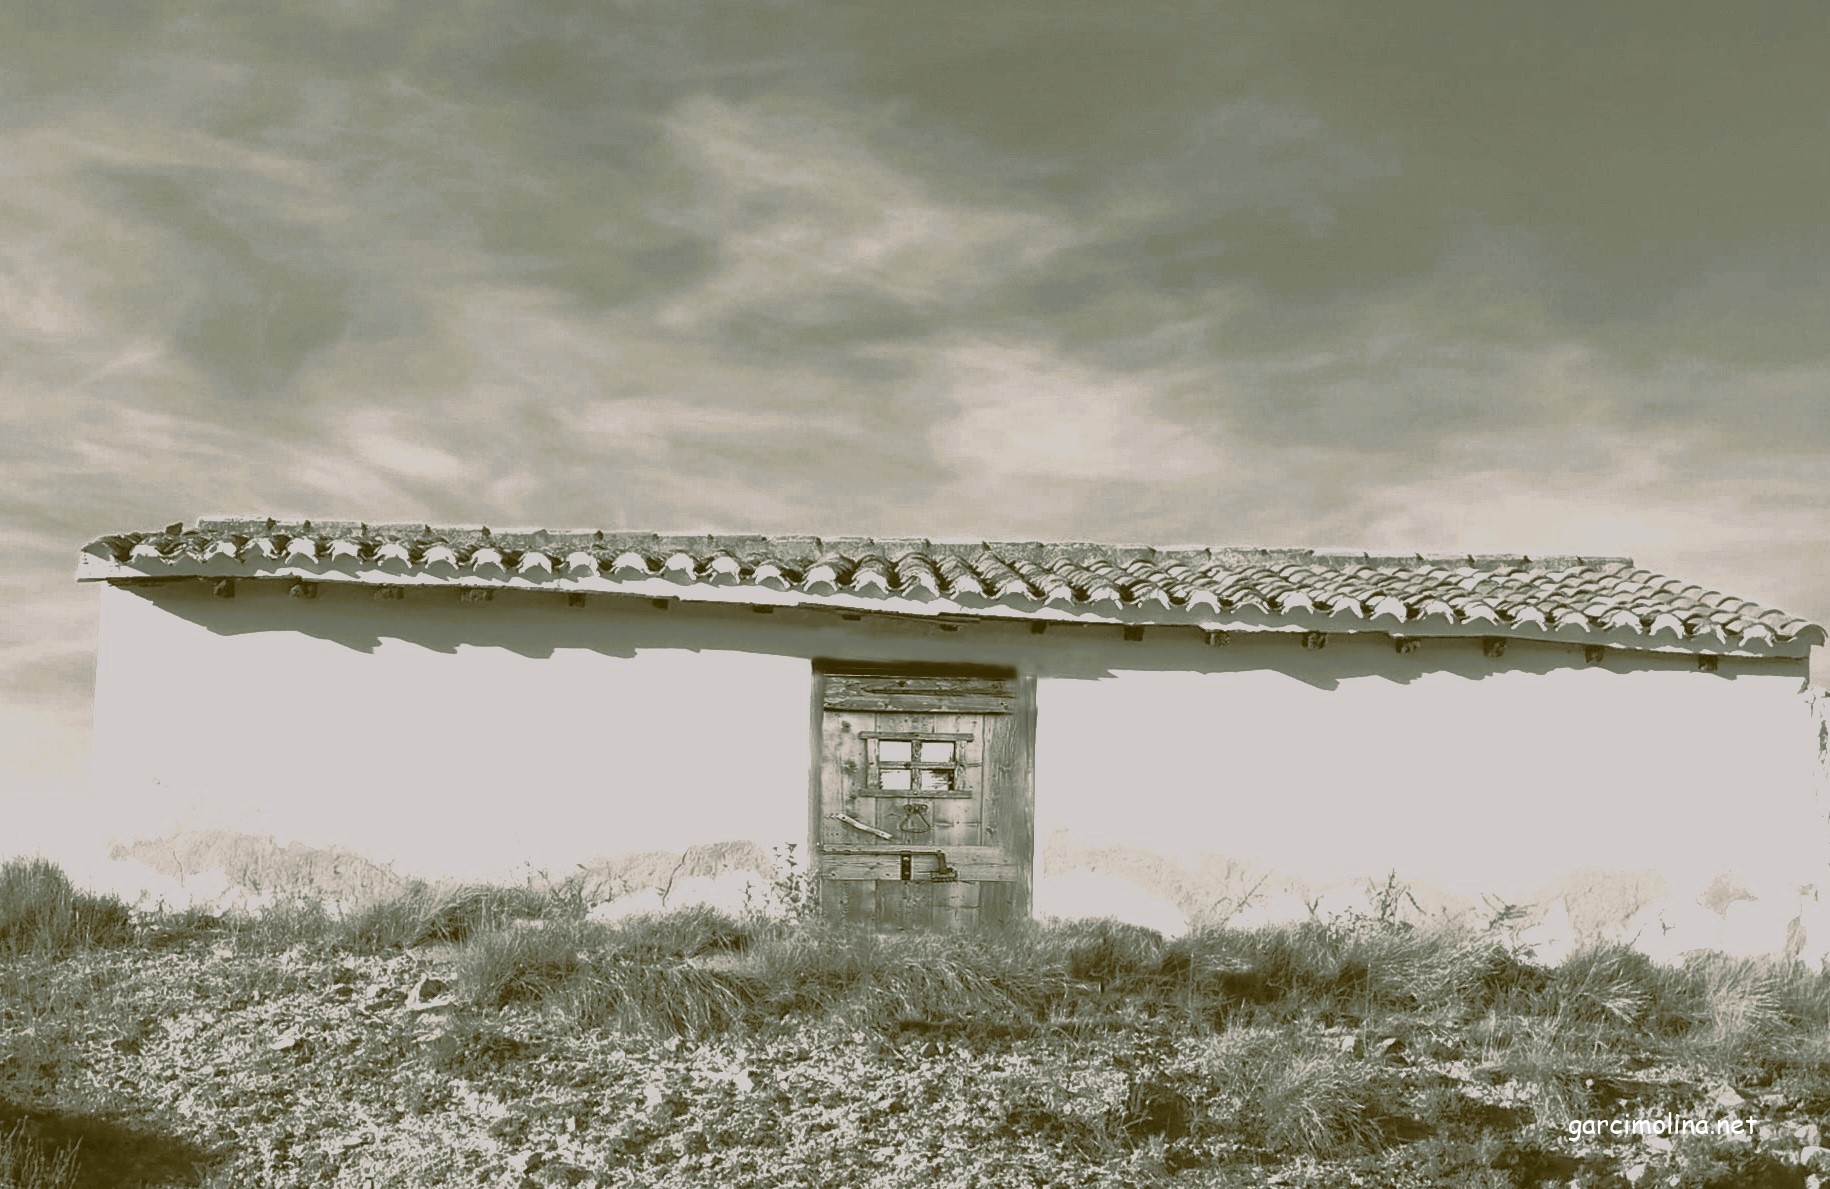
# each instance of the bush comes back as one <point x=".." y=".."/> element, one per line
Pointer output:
<point x="40" y="912"/>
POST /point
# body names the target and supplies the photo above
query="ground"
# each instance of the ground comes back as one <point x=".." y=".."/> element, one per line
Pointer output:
<point x="490" y="1047"/>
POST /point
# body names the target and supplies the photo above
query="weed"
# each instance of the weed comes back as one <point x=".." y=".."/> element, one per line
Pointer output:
<point x="792" y="892"/>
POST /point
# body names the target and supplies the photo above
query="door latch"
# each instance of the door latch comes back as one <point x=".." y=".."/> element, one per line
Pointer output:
<point x="941" y="873"/>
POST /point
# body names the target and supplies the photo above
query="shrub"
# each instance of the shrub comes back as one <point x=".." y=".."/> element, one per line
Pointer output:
<point x="40" y="912"/>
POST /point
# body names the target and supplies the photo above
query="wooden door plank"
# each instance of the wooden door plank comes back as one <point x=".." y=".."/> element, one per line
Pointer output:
<point x="861" y="902"/>
<point x="964" y="704"/>
<point x="994" y="902"/>
<point x="892" y="908"/>
<point x="987" y="835"/>
<point x="1007" y="772"/>
<point x="920" y="911"/>
<point x="955" y="854"/>
<point x="885" y="813"/>
<point x="841" y="756"/>
<point x="889" y="867"/>
<point x="833" y="900"/>
<point x="843" y="684"/>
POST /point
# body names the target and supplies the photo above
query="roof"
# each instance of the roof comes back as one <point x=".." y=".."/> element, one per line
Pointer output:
<point x="1587" y="599"/>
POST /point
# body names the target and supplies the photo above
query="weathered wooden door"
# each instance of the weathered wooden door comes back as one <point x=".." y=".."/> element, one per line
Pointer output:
<point x="923" y="796"/>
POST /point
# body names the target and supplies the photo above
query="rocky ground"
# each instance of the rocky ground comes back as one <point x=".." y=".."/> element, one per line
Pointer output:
<point x="206" y="1063"/>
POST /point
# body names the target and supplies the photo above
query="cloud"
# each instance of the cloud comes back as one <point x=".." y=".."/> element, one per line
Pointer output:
<point x="811" y="223"/>
<point x="386" y="441"/>
<point x="1437" y="276"/>
<point x="1023" y="412"/>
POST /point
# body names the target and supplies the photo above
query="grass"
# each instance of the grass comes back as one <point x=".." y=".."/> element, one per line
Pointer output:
<point x="423" y="914"/>
<point x="41" y="913"/>
<point x="1320" y="1042"/>
<point x="26" y="1163"/>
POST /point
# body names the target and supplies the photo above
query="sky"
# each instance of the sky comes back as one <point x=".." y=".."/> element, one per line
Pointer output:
<point x="1414" y="276"/>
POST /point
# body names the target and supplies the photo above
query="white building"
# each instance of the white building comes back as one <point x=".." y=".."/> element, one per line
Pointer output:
<point x="961" y="731"/>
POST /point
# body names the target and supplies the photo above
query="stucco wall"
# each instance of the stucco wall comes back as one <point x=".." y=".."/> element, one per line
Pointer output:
<point x="1176" y="781"/>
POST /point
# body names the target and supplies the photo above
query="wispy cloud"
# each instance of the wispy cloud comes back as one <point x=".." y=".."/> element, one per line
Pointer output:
<point x="1435" y="277"/>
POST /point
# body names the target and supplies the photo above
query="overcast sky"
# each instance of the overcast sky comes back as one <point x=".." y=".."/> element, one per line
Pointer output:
<point x="1548" y="277"/>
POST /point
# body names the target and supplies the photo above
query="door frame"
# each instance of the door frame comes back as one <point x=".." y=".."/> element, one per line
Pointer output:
<point x="1023" y="791"/>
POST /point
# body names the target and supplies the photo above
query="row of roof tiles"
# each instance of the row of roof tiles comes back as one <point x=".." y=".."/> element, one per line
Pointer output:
<point x="1492" y="592"/>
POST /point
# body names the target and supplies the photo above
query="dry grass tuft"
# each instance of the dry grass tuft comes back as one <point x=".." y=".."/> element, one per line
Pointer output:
<point x="42" y="913"/>
<point x="25" y="1163"/>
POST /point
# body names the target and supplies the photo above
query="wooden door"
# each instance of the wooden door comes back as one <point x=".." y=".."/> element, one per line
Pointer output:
<point x="923" y="797"/>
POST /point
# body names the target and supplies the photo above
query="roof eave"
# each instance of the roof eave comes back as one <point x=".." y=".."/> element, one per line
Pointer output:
<point x="95" y="565"/>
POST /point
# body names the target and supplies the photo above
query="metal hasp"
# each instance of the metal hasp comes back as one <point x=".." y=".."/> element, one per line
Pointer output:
<point x="941" y="873"/>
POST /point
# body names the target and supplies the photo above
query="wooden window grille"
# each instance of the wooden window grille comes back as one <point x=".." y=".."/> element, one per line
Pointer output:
<point x="915" y="764"/>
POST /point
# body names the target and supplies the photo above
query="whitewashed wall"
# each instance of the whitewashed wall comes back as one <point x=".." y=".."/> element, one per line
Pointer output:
<point x="1176" y="782"/>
